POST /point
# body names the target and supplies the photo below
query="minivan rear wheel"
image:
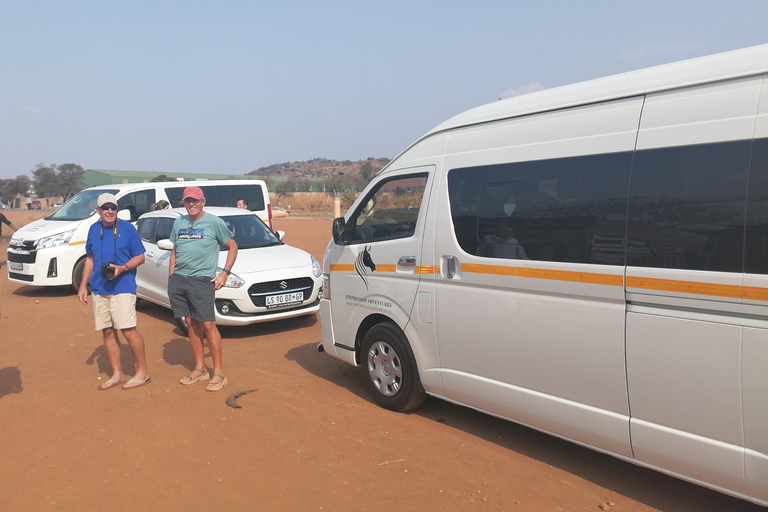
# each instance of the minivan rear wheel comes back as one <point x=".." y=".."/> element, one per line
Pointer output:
<point x="389" y="368"/>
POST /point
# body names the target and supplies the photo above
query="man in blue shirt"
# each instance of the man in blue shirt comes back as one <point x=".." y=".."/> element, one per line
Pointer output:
<point x="113" y="251"/>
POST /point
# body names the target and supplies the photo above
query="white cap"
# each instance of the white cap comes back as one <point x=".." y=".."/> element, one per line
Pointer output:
<point x="106" y="198"/>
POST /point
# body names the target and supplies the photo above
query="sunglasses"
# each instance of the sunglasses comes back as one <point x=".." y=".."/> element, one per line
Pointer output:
<point x="108" y="208"/>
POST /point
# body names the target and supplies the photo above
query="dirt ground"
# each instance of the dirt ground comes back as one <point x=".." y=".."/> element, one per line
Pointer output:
<point x="309" y="438"/>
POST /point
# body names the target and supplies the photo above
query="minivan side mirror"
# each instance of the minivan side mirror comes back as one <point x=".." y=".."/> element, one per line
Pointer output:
<point x="339" y="231"/>
<point x="124" y="215"/>
<point x="165" y="244"/>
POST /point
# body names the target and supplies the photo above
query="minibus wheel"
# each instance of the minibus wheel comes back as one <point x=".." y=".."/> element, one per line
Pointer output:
<point x="77" y="276"/>
<point x="389" y="368"/>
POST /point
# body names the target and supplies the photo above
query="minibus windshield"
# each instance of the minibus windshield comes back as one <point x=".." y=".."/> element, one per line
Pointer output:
<point x="79" y="207"/>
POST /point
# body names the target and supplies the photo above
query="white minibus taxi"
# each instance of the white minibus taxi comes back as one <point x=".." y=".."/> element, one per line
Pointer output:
<point x="590" y="261"/>
<point x="51" y="251"/>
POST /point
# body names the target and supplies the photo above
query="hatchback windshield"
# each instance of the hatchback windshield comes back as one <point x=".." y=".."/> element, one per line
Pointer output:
<point x="250" y="231"/>
<point x="81" y="206"/>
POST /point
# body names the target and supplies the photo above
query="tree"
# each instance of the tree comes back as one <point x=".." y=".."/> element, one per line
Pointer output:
<point x="367" y="171"/>
<point x="162" y="177"/>
<point x="61" y="180"/>
<point x="11" y="187"/>
<point x="70" y="178"/>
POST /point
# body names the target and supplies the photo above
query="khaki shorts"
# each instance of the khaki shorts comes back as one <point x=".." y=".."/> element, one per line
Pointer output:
<point x="118" y="311"/>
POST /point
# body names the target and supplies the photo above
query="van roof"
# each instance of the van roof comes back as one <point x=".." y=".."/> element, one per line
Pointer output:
<point x="722" y="66"/>
<point x="200" y="183"/>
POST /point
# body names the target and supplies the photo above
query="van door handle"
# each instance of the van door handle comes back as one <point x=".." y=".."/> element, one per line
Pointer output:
<point x="450" y="267"/>
<point x="407" y="261"/>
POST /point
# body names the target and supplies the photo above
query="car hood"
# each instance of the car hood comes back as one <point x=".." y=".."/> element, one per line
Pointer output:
<point x="42" y="228"/>
<point x="264" y="259"/>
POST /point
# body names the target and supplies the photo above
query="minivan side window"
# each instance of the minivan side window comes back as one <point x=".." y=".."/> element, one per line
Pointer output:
<point x="223" y="195"/>
<point x="565" y="209"/>
<point x="687" y="207"/>
<point x="389" y="211"/>
<point x="137" y="203"/>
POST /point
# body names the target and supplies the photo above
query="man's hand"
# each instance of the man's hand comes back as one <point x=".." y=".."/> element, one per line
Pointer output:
<point x="119" y="269"/>
<point x="220" y="280"/>
<point x="82" y="294"/>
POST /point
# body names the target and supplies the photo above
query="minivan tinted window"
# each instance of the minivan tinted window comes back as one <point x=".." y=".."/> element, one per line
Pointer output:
<point x="223" y="195"/>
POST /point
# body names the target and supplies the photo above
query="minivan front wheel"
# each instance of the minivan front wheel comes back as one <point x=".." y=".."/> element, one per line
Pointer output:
<point x="181" y="323"/>
<point x="389" y="368"/>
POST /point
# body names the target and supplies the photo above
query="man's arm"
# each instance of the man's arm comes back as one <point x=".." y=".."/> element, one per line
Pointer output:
<point x="221" y="279"/>
<point x="129" y="265"/>
<point x="82" y="293"/>
<point x="172" y="261"/>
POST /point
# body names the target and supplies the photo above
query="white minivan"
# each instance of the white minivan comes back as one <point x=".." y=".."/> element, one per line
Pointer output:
<point x="590" y="261"/>
<point x="51" y="251"/>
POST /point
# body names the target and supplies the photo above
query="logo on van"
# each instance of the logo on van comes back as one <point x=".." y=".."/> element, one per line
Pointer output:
<point x="364" y="261"/>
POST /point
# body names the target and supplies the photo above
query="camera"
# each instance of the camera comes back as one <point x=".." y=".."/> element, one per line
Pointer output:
<point x="107" y="270"/>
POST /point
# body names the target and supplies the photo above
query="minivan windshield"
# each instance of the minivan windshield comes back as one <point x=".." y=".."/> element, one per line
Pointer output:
<point x="81" y="206"/>
<point x="250" y="232"/>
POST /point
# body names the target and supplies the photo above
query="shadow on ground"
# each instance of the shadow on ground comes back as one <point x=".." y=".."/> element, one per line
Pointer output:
<point x="10" y="381"/>
<point x="643" y="485"/>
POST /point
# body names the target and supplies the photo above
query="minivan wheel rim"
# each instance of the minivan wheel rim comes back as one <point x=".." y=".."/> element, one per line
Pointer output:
<point x="384" y="368"/>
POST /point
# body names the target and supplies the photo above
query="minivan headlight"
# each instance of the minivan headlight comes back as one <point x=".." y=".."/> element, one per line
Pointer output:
<point x="233" y="280"/>
<point x="316" y="269"/>
<point x="55" y="240"/>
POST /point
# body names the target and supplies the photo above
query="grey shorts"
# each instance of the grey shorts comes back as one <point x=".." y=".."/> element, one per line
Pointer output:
<point x="192" y="297"/>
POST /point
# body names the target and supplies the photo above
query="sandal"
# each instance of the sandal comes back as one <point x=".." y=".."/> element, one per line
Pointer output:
<point x="216" y="386"/>
<point x="189" y="379"/>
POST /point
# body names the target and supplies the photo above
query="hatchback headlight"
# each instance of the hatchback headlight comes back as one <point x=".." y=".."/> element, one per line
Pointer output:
<point x="55" y="240"/>
<point x="316" y="268"/>
<point x="233" y="280"/>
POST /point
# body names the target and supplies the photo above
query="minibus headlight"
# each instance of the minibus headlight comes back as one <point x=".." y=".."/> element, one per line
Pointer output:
<point x="316" y="269"/>
<point x="233" y="280"/>
<point x="55" y="240"/>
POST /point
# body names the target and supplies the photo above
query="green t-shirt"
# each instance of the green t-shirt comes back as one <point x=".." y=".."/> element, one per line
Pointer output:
<point x="197" y="244"/>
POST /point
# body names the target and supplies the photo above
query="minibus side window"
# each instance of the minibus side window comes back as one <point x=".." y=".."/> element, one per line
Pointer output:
<point x="137" y="203"/>
<point x="227" y="195"/>
<point x="566" y="209"/>
<point x="756" y="258"/>
<point x="687" y="207"/>
<point x="389" y="211"/>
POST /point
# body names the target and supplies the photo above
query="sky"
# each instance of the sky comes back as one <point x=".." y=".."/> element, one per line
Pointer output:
<point x="231" y="86"/>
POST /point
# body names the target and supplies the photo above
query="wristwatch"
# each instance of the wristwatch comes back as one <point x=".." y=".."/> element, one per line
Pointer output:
<point x="227" y="271"/>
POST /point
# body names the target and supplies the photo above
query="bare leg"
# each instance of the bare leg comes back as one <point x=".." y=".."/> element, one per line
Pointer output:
<point x="214" y="347"/>
<point x="113" y="352"/>
<point x="136" y="342"/>
<point x="196" y="334"/>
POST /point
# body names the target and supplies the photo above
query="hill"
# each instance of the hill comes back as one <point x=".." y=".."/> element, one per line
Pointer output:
<point x="318" y="168"/>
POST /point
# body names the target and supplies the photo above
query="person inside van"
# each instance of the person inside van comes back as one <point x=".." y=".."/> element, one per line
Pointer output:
<point x="502" y="243"/>
<point x="242" y="203"/>
<point x="161" y="205"/>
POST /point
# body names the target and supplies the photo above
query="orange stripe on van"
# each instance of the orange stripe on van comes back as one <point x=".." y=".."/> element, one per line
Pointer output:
<point x="428" y="269"/>
<point x="342" y="268"/>
<point x="385" y="268"/>
<point x="693" y="287"/>
<point x="77" y="243"/>
<point x="541" y="273"/>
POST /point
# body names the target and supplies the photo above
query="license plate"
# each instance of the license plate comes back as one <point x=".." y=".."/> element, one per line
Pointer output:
<point x="284" y="299"/>
<point x="15" y="265"/>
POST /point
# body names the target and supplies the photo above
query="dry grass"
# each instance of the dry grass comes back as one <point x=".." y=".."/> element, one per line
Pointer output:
<point x="310" y="203"/>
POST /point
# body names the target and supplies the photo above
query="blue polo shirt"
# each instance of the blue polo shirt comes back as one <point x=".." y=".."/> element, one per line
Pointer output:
<point x="101" y="245"/>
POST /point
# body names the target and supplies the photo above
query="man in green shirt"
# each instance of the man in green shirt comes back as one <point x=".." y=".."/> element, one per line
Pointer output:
<point x="192" y="281"/>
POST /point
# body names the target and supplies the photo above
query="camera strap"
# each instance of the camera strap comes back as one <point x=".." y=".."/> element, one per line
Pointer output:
<point x="114" y="237"/>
